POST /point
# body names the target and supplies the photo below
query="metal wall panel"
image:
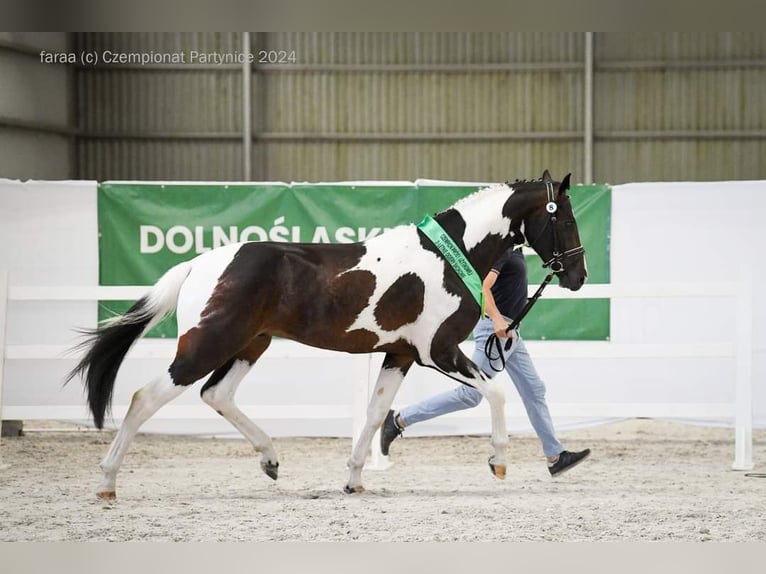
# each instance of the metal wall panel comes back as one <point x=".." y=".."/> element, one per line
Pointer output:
<point x="722" y="99"/>
<point x="637" y="46"/>
<point x="32" y="91"/>
<point x="166" y="160"/>
<point x="132" y="42"/>
<point x="149" y="122"/>
<point x="679" y="160"/>
<point x="150" y="101"/>
<point x="494" y="161"/>
<point x="35" y="107"/>
<point x="419" y="103"/>
<point x="432" y="48"/>
<point x="36" y="41"/>
<point x="28" y="154"/>
<point x="460" y="105"/>
<point x="680" y="106"/>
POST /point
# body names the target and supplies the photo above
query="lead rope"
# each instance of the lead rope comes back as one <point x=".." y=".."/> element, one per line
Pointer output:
<point x="493" y="342"/>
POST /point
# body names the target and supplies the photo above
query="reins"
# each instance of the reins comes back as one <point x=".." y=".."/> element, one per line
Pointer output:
<point x="494" y="341"/>
<point x="556" y="265"/>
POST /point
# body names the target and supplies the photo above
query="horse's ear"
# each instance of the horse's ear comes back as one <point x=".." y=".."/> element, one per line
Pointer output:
<point x="547" y="177"/>
<point x="565" y="184"/>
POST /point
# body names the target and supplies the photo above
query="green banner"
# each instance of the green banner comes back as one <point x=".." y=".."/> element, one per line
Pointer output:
<point x="145" y="228"/>
<point x="585" y="319"/>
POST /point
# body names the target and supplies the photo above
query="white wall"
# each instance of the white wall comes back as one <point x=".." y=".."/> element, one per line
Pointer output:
<point x="688" y="232"/>
<point x="676" y="232"/>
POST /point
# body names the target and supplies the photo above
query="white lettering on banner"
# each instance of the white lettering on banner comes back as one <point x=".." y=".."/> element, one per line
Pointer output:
<point x="320" y="235"/>
<point x="345" y="235"/>
<point x="220" y="238"/>
<point x="253" y="230"/>
<point x="188" y="239"/>
<point x="199" y="240"/>
<point x="181" y="239"/>
<point x="279" y="232"/>
<point x="147" y="232"/>
<point x="364" y="234"/>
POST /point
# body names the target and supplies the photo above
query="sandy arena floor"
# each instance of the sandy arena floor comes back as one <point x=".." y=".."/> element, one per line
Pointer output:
<point x="646" y="480"/>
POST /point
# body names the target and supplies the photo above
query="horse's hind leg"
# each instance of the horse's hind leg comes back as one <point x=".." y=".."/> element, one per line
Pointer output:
<point x="456" y="365"/>
<point x="146" y="401"/>
<point x="219" y="391"/>
<point x="392" y="373"/>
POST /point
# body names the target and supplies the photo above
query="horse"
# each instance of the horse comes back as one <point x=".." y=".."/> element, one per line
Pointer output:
<point x="394" y="293"/>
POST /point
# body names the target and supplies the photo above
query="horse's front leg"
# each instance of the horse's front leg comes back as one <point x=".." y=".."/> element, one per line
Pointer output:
<point x="456" y="365"/>
<point x="392" y="373"/>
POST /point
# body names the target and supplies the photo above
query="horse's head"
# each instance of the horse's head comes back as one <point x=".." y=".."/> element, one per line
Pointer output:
<point x="551" y="230"/>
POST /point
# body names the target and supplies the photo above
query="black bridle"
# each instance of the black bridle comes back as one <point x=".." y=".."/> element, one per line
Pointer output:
<point x="556" y="261"/>
<point x="556" y="265"/>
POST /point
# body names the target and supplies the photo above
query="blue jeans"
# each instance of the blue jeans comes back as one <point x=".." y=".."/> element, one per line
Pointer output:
<point x="522" y="371"/>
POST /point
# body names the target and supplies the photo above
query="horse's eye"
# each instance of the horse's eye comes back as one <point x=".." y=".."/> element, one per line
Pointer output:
<point x="569" y="223"/>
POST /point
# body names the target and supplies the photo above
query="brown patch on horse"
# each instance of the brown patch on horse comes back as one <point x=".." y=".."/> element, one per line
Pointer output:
<point x="402" y="303"/>
<point x="308" y="293"/>
<point x="255" y="349"/>
<point x="195" y="356"/>
<point x="358" y="341"/>
<point x="321" y="311"/>
<point x="350" y="288"/>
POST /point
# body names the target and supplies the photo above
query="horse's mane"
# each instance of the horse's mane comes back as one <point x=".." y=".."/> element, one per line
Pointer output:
<point x="476" y="195"/>
<point x="524" y="181"/>
<point x="515" y="185"/>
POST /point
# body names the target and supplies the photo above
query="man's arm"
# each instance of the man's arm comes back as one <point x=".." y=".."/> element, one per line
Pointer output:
<point x="490" y="308"/>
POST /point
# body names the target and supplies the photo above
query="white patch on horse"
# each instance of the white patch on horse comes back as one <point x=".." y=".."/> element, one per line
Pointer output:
<point x="390" y="256"/>
<point x="480" y="211"/>
<point x="200" y="284"/>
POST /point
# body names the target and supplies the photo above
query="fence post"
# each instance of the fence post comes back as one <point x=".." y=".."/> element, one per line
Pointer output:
<point x="3" y="316"/>
<point x="743" y="398"/>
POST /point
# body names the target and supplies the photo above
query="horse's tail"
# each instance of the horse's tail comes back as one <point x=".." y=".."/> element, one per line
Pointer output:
<point x="106" y="346"/>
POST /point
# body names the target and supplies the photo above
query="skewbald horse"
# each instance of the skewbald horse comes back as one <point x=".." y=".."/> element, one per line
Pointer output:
<point x="394" y="293"/>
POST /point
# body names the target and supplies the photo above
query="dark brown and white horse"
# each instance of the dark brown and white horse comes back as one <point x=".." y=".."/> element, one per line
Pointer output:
<point x="394" y="293"/>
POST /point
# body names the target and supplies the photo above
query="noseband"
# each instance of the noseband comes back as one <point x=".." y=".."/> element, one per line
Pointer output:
<point x="556" y="262"/>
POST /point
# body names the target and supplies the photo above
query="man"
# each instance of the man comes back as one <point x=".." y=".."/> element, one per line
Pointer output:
<point x="505" y="294"/>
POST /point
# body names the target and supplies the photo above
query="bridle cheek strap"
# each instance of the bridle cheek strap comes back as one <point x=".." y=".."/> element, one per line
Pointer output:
<point x="556" y="262"/>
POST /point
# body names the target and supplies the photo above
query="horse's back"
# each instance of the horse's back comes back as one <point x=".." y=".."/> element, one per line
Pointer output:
<point x="273" y="281"/>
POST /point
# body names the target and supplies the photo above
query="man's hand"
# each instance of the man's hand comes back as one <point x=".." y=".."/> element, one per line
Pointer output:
<point x="498" y="322"/>
<point x="500" y="328"/>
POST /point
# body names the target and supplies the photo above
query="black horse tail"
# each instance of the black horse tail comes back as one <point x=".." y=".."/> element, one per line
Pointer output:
<point x="106" y="346"/>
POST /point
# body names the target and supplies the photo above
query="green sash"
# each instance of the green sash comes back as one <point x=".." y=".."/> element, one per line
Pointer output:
<point x="454" y="257"/>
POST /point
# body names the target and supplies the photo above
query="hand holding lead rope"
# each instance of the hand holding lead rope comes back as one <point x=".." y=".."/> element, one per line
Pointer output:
<point x="494" y="342"/>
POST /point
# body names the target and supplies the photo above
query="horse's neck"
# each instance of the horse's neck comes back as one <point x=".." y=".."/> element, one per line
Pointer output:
<point x="478" y="225"/>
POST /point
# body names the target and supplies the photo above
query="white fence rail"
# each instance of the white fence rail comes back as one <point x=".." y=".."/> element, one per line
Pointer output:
<point x="740" y="349"/>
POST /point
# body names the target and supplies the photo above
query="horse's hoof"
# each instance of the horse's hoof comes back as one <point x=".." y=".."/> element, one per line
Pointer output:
<point x="108" y="495"/>
<point x="497" y="470"/>
<point x="356" y="490"/>
<point x="271" y="470"/>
